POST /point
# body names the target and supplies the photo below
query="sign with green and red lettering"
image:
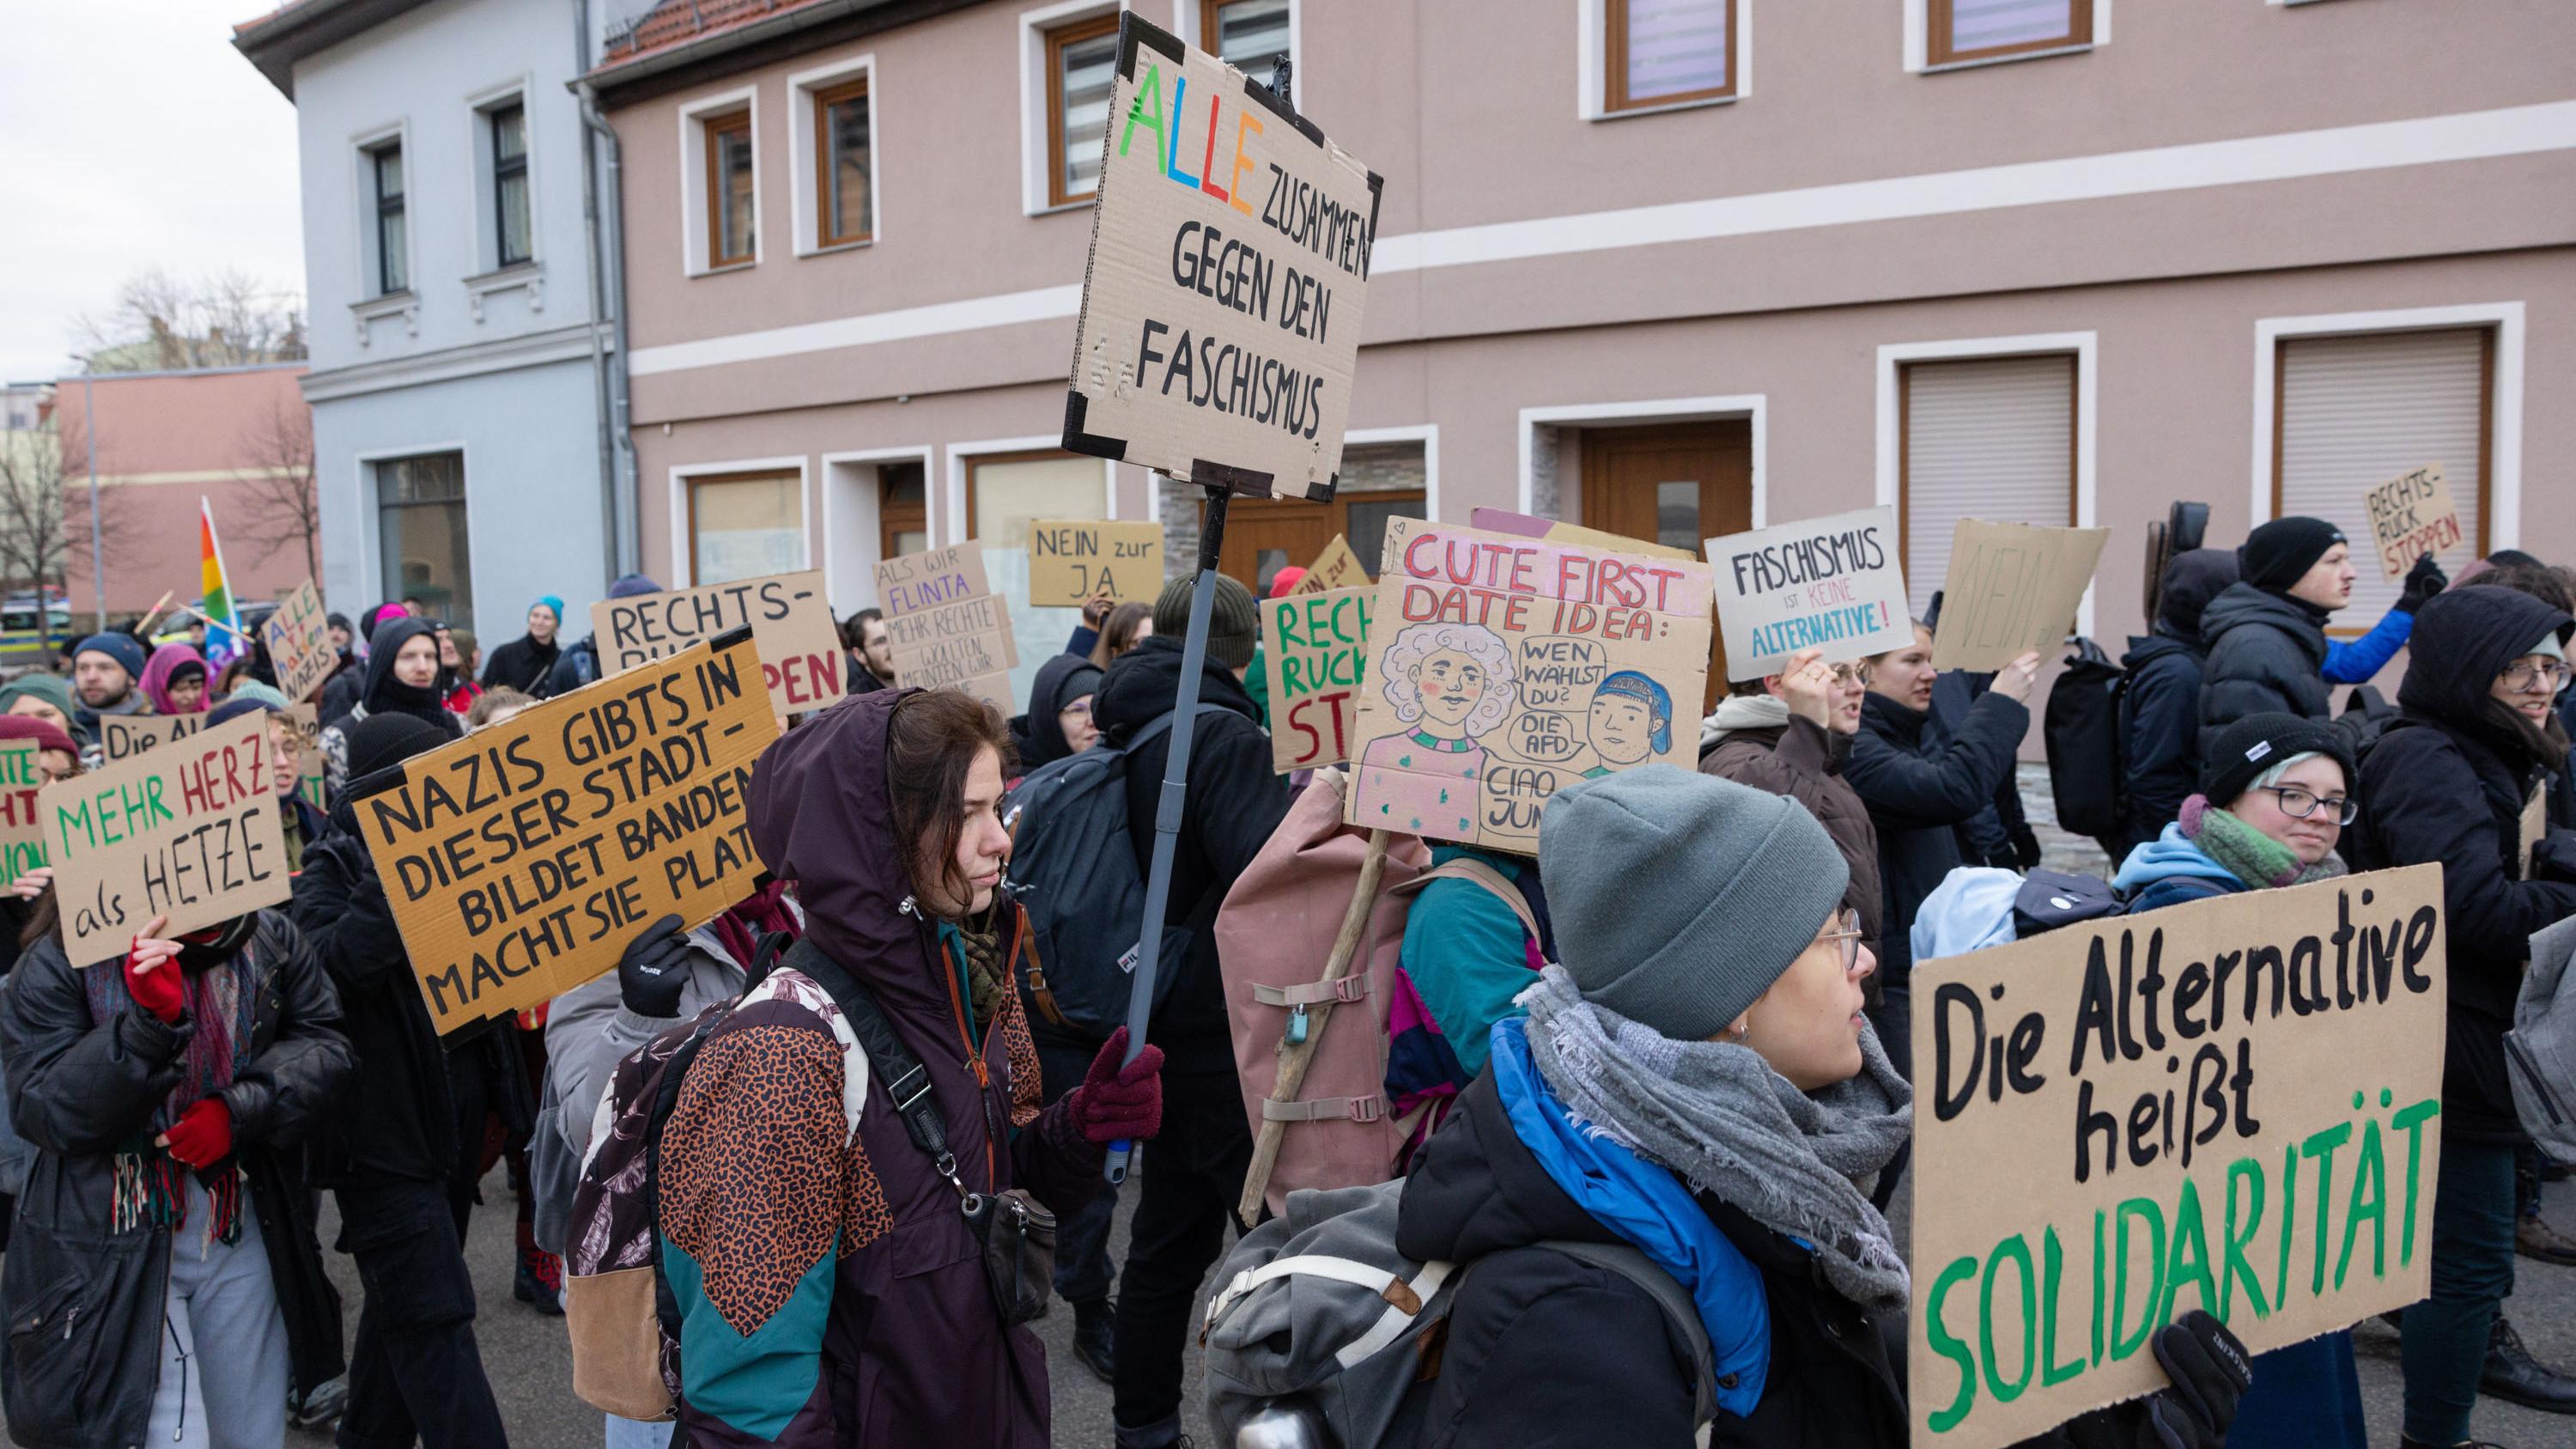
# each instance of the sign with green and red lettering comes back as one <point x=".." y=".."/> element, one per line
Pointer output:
<point x="1316" y="648"/>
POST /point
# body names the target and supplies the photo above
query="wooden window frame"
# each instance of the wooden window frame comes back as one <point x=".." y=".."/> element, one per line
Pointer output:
<point x="1938" y="17"/>
<point x="711" y="131"/>
<point x="1211" y="32"/>
<point x="692" y="483"/>
<point x="2074" y="436"/>
<point x="888" y="522"/>
<point x="397" y="205"/>
<point x="1071" y="33"/>
<point x="1614" y="51"/>
<point x="504" y="168"/>
<point x="826" y="155"/>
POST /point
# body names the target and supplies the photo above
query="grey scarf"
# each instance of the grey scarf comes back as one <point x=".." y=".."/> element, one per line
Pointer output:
<point x="1742" y="712"/>
<point x="1719" y="1117"/>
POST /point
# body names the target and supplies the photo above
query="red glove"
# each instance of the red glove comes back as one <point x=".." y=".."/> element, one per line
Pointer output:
<point x="203" y="1135"/>
<point x="1116" y="1103"/>
<point x="158" y="990"/>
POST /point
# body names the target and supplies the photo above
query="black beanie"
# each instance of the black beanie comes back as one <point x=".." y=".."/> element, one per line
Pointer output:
<point x="2279" y="553"/>
<point x="2245" y="749"/>
<point x="386" y="739"/>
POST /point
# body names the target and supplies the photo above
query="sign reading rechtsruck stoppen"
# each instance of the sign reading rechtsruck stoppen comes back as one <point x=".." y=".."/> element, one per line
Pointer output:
<point x="2231" y="1105"/>
<point x="22" y="833"/>
<point x="2012" y="588"/>
<point x="1221" y="311"/>
<point x="791" y="623"/>
<point x="522" y="859"/>
<point x="298" y="636"/>
<point x="1503" y="668"/>
<point x="123" y="736"/>
<point x="1317" y="655"/>
<point x="2410" y="517"/>
<point x="1077" y="561"/>
<point x="189" y="832"/>
<point x="1829" y="583"/>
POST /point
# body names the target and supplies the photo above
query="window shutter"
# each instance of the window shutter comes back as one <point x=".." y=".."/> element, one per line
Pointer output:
<point x="2356" y="411"/>
<point x="1676" y="47"/>
<point x="1992" y="439"/>
<point x="1977" y="25"/>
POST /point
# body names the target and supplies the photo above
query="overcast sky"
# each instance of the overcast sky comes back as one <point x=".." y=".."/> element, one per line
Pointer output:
<point x="132" y="135"/>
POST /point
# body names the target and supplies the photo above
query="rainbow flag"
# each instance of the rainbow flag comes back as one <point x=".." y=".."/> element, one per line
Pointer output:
<point x="224" y="640"/>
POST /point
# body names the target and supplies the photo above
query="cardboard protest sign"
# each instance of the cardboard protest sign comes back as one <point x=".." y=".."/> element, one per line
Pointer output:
<point x="1335" y="568"/>
<point x="298" y="636"/>
<point x="1828" y="582"/>
<point x="522" y="859"/>
<point x="189" y="832"/>
<point x="801" y="658"/>
<point x="952" y="643"/>
<point x="2012" y="588"/>
<point x="2230" y="1105"/>
<point x="2412" y="516"/>
<point x="22" y="834"/>
<point x="123" y="736"/>
<point x="1221" y="310"/>
<point x="308" y="751"/>
<point x="1501" y="668"/>
<point x="917" y="581"/>
<point x="1074" y="562"/>
<point x="1317" y="654"/>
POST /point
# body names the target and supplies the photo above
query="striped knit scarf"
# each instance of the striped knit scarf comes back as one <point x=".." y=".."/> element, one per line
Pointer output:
<point x="150" y="1184"/>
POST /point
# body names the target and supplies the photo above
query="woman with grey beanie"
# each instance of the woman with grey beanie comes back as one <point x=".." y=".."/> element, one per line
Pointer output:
<point x="1695" y="1079"/>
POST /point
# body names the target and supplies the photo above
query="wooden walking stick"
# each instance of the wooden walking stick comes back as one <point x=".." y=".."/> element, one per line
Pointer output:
<point x="1295" y="1055"/>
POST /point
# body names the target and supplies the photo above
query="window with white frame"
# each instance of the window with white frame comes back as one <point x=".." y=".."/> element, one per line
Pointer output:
<point x="387" y="225"/>
<point x="1963" y="30"/>
<point x="733" y="205"/>
<point x="505" y="138"/>
<point x="844" y="164"/>
<point x="745" y="525"/>
<point x="1666" y="52"/>
<point x="1990" y="438"/>
<point x="1250" y="35"/>
<point x="1006" y="492"/>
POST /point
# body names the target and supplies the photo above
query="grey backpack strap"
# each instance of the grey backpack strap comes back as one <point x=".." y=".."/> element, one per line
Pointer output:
<point x="1668" y="1294"/>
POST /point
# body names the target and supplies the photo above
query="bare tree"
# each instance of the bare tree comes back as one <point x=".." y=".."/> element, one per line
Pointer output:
<point x="43" y="521"/>
<point x="162" y="321"/>
<point x="279" y="486"/>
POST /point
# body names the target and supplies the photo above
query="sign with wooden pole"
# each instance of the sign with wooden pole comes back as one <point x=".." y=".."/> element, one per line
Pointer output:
<point x="2231" y="1105"/>
<point x="522" y="859"/>
<point x="2411" y="516"/>
<point x="298" y="636"/>
<point x="1076" y="561"/>
<point x="2012" y="589"/>
<point x="801" y="659"/>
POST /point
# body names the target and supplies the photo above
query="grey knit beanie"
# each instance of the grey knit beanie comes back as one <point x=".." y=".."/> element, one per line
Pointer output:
<point x="1678" y="898"/>
<point x="1232" y="621"/>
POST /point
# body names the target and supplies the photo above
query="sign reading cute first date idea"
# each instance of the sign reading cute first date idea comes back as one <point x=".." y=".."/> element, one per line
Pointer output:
<point x="1829" y="583"/>
<point x="2231" y="1105"/>
<point x="188" y="831"/>
<point x="1221" y="309"/>
<point x="1500" y="669"/>
<point x="522" y="859"/>
<point x="791" y="621"/>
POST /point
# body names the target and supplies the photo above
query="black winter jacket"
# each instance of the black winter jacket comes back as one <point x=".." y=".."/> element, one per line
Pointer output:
<point x="2447" y="784"/>
<point x="1234" y="803"/>
<point x="2159" y="733"/>
<point x="1917" y="791"/>
<point x="88" y="1293"/>
<point x="2266" y="652"/>
<point x="2000" y="834"/>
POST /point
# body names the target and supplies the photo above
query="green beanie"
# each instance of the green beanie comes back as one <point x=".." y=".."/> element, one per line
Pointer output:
<point x="1233" y="624"/>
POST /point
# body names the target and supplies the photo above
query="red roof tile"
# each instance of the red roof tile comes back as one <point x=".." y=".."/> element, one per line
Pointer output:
<point x="674" y="22"/>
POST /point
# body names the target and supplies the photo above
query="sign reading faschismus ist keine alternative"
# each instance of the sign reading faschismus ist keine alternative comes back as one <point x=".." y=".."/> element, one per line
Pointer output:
<point x="1221" y="312"/>
<point x="1829" y="583"/>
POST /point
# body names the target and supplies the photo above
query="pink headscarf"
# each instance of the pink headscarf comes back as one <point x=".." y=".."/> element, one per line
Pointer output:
<point x="168" y="661"/>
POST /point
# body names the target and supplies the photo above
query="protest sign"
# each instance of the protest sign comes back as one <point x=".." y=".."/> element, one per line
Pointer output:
<point x="2012" y="588"/>
<point x="1501" y="668"/>
<point x="917" y="581"/>
<point x="1221" y="310"/>
<point x="189" y="832"/>
<point x="1832" y="583"/>
<point x="307" y="728"/>
<point x="298" y="636"/>
<point x="801" y="658"/>
<point x="2412" y="516"/>
<point x="123" y="736"/>
<point x="22" y="836"/>
<point x="1074" y="562"/>
<point x="953" y="643"/>
<point x="1335" y="568"/>
<point x="2230" y="1105"/>
<point x="522" y="859"/>
<point x="1317" y="655"/>
<point x="1557" y="530"/>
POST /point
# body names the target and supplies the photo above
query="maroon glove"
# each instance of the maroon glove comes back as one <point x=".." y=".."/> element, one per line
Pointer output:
<point x="158" y="990"/>
<point x="203" y="1135"/>
<point x="1117" y="1103"/>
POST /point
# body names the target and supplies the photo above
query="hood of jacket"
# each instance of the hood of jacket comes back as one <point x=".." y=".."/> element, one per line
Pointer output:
<point x="2458" y="649"/>
<point x="384" y="692"/>
<point x="2191" y="581"/>
<point x="2147" y="648"/>
<point x="1060" y="681"/>
<point x="1971" y="909"/>
<point x="1742" y="712"/>
<point x="1145" y="682"/>
<point x="167" y="661"/>
<point x="2240" y="605"/>
<point x="2169" y="854"/>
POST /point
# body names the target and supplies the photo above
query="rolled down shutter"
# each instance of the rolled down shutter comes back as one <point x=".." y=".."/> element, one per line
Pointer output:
<point x="1988" y="438"/>
<point x="2356" y="411"/>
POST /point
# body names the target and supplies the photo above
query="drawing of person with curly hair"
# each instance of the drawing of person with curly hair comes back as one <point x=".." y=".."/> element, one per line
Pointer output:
<point x="1451" y="684"/>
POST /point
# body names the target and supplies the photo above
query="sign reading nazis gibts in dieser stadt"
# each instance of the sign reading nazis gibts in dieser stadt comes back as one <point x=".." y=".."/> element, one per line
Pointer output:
<point x="522" y="859"/>
<point x="1229" y="263"/>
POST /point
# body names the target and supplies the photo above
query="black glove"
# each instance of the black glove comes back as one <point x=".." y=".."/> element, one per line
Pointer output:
<point x="2210" y="1375"/>
<point x="2422" y="582"/>
<point x="654" y="969"/>
<point x="2026" y="849"/>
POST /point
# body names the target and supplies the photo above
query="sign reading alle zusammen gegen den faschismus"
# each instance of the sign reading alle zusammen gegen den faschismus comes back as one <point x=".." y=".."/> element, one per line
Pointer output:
<point x="1221" y="308"/>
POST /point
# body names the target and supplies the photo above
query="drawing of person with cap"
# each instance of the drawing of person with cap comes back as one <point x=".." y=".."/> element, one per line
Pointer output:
<point x="1631" y="722"/>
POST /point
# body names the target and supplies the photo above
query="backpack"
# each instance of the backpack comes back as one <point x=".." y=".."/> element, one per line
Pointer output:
<point x="1275" y="935"/>
<point x="2081" y="726"/>
<point x="1977" y="906"/>
<point x="2540" y="1050"/>
<point x="1073" y="867"/>
<point x="1317" y="1316"/>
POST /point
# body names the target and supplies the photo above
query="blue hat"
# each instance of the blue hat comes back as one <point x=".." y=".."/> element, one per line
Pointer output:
<point x="628" y="587"/>
<point x="551" y="602"/>
<point x="125" y="649"/>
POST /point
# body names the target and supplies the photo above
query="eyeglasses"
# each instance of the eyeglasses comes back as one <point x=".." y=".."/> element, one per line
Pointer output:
<point x="2299" y="804"/>
<point x="2521" y="675"/>
<point x="1848" y="675"/>
<point x="1846" y="931"/>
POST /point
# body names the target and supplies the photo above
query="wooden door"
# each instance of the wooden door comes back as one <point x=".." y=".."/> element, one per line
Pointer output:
<point x="1679" y="485"/>
<point x="1263" y="536"/>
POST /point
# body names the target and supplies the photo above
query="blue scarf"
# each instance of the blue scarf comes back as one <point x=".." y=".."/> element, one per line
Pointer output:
<point x="1651" y="1209"/>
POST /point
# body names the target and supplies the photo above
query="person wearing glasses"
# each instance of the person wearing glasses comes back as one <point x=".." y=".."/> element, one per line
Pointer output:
<point x="1790" y="734"/>
<point x="2476" y="729"/>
